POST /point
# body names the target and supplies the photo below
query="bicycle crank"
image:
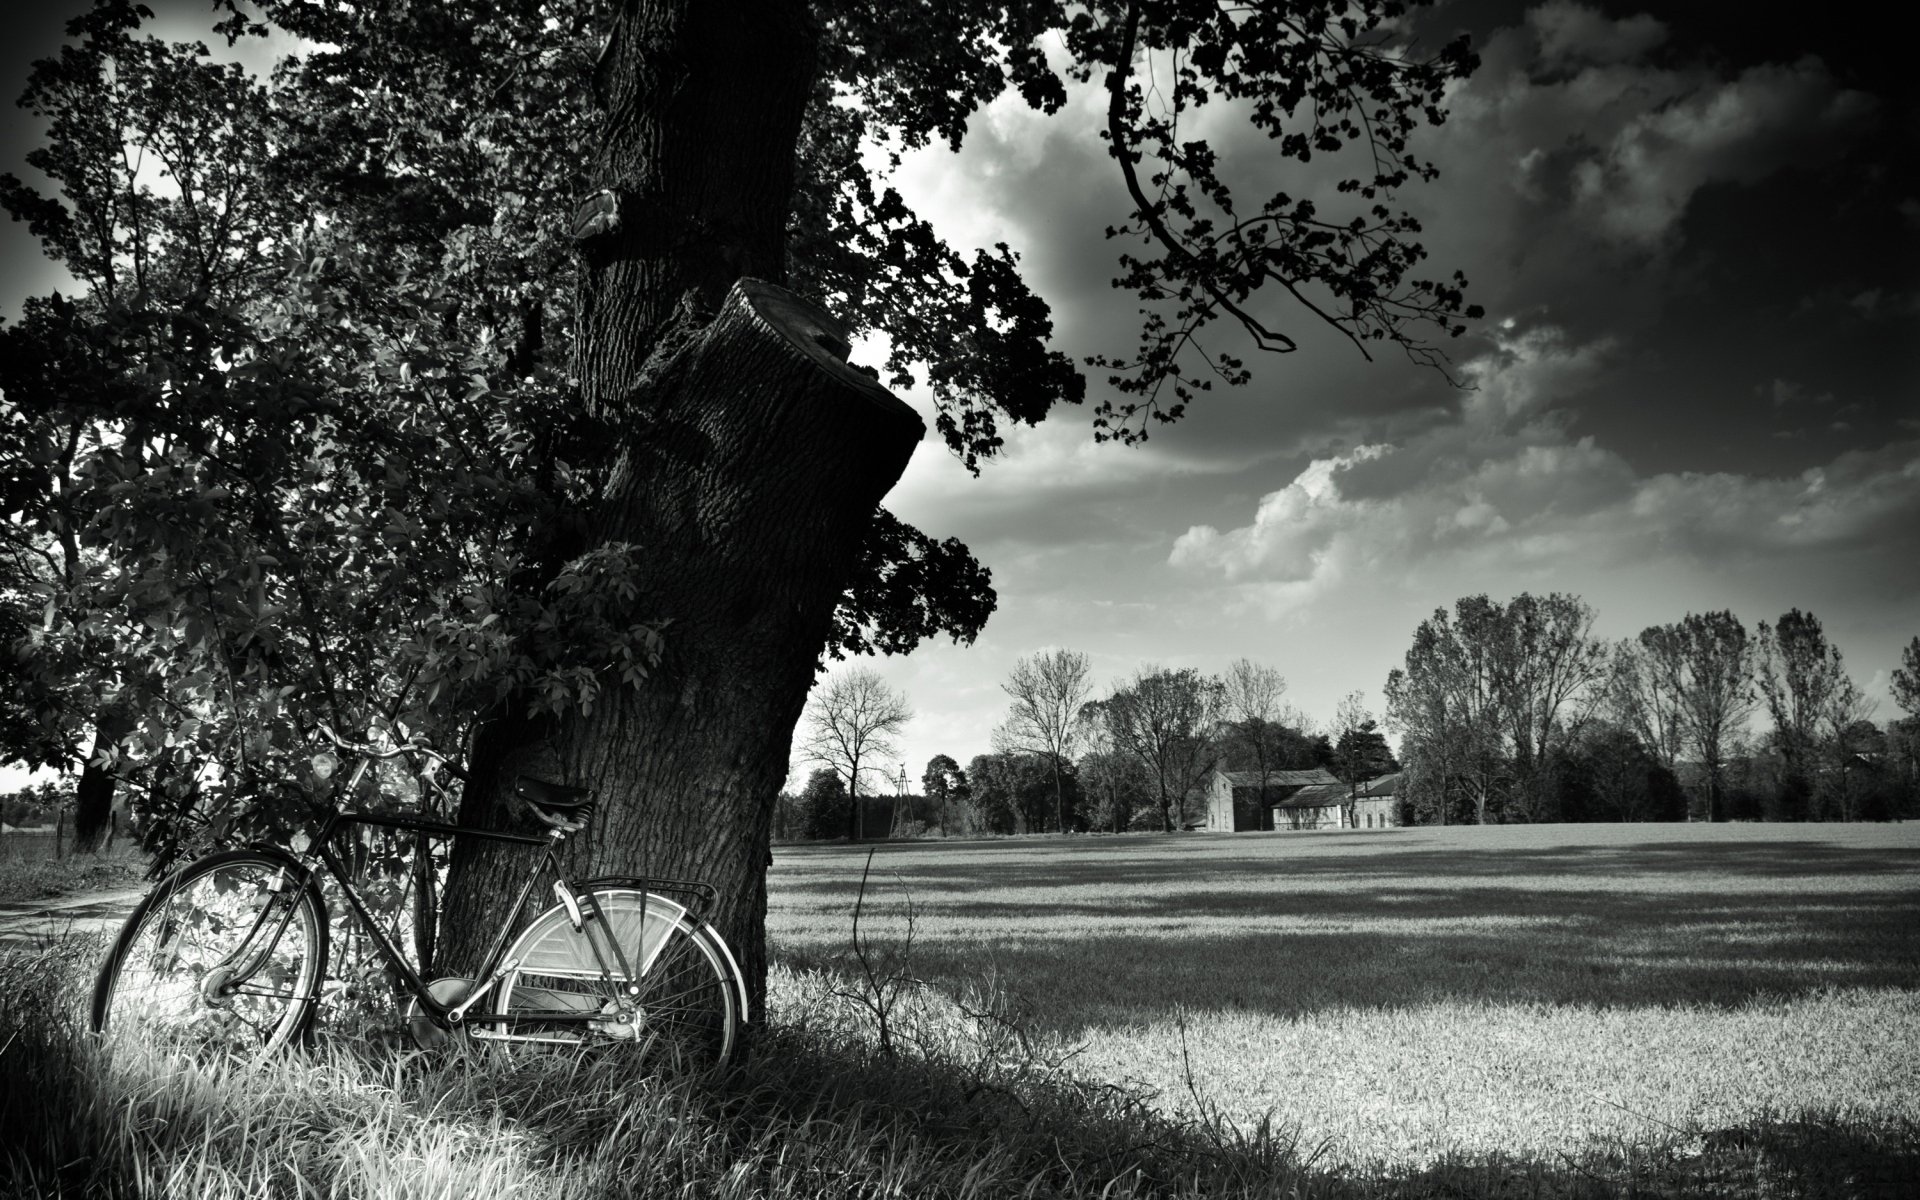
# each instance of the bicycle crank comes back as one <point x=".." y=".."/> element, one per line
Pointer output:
<point x="448" y="991"/>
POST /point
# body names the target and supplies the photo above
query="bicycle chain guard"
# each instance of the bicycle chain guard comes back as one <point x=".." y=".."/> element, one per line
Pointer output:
<point x="449" y="991"/>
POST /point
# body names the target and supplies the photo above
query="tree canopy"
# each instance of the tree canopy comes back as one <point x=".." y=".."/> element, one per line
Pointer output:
<point x="405" y="401"/>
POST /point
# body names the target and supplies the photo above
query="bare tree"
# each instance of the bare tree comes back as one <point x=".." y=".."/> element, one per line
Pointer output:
<point x="1251" y="697"/>
<point x="1903" y="736"/>
<point x="1803" y="679"/>
<point x="1906" y="679"/>
<point x="851" y="721"/>
<point x="1643" y="694"/>
<point x="1103" y="764"/>
<point x="1548" y="664"/>
<point x="1447" y="703"/>
<point x="1816" y="709"/>
<point x="1707" y="662"/>
<point x="1360" y="751"/>
<point x="1163" y="718"/>
<point x="1047" y="692"/>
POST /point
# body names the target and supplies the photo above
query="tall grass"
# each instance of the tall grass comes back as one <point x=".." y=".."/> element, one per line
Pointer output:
<point x="985" y="1096"/>
<point x="31" y="870"/>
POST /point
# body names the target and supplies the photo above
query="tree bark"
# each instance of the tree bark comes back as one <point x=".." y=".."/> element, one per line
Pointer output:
<point x="93" y="795"/>
<point x="748" y="496"/>
<point x="746" y="462"/>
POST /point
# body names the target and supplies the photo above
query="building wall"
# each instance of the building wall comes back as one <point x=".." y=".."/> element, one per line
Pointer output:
<point x="1375" y="812"/>
<point x="1368" y="813"/>
<point x="1324" y="816"/>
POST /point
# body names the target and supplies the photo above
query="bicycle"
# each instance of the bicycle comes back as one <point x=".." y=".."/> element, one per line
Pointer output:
<point x="229" y="953"/>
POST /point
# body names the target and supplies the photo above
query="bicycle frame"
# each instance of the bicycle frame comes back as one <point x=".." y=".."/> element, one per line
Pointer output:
<point x="492" y="969"/>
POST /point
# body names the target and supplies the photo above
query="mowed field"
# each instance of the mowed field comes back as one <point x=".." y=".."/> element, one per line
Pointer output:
<point x="1404" y="996"/>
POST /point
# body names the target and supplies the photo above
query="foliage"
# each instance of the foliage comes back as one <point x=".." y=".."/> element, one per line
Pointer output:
<point x="1487" y="697"/>
<point x="1165" y="719"/>
<point x="945" y="784"/>
<point x="1047" y="691"/>
<point x="1905" y="683"/>
<point x="825" y="806"/>
<point x="1014" y="792"/>
<point x="1813" y="703"/>
<point x="1608" y="774"/>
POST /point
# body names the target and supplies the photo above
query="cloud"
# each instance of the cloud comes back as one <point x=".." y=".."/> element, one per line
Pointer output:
<point x="1572" y="34"/>
<point x="1635" y="188"/>
<point x="1507" y="492"/>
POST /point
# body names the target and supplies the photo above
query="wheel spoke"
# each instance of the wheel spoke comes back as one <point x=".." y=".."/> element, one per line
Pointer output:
<point x="169" y="980"/>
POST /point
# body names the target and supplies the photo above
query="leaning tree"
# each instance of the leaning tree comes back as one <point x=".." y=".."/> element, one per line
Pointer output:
<point x="538" y="432"/>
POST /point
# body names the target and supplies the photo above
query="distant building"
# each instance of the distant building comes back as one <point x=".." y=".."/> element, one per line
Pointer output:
<point x="1234" y="799"/>
<point x="1375" y="805"/>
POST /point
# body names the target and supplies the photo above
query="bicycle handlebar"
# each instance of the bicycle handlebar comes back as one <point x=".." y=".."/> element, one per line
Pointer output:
<point x="367" y="751"/>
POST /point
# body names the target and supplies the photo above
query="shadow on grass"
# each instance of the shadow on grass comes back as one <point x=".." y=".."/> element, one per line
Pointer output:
<point x="817" y="1111"/>
<point x="1115" y="931"/>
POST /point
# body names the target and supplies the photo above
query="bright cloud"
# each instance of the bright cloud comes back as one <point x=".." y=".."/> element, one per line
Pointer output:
<point x="1507" y="489"/>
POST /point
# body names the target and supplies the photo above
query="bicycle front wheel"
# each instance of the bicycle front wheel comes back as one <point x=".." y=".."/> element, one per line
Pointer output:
<point x="681" y="1000"/>
<point x="224" y="957"/>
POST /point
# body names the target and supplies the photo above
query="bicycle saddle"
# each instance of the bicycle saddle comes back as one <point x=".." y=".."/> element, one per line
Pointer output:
<point x="554" y="797"/>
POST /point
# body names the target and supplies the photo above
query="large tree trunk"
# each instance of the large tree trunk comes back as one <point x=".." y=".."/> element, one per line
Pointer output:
<point x="93" y="796"/>
<point x="748" y="462"/>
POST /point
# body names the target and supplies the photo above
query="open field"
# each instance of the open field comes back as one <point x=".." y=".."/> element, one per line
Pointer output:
<point x="29" y="869"/>
<point x="1405" y="995"/>
<point x="1578" y="1013"/>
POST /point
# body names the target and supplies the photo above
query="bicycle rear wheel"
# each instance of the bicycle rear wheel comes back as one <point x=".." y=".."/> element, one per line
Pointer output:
<point x="224" y="957"/>
<point x="686" y="1004"/>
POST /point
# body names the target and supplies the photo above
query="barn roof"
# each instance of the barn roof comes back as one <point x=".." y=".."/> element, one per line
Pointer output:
<point x="1319" y="795"/>
<point x="1280" y="779"/>
<point x="1386" y="785"/>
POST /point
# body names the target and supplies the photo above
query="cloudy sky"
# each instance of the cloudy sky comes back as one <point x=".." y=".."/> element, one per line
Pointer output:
<point x="1694" y="389"/>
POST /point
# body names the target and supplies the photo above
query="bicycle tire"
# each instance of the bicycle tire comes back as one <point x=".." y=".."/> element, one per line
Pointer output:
<point x="176" y="979"/>
<point x="690" y="996"/>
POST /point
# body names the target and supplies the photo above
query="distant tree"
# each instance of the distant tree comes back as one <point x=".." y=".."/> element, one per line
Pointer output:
<point x="1812" y="701"/>
<point x="1447" y="704"/>
<point x="851" y="721"/>
<point x="1906" y="679"/>
<point x="1642" y="691"/>
<point x="1903" y="735"/>
<point x="1361" y="754"/>
<point x="1105" y="772"/>
<point x="789" y="816"/>
<point x="1013" y="792"/>
<point x="825" y="806"/>
<point x="1608" y="774"/>
<point x="1047" y="691"/>
<point x="1251" y="703"/>
<point x="1706" y="662"/>
<point x="1550" y="667"/>
<point x="946" y="785"/>
<point x="1164" y="718"/>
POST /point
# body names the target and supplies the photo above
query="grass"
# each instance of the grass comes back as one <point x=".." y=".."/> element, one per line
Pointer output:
<point x="1405" y="996"/>
<point x="29" y="869"/>
<point x="1468" y="1084"/>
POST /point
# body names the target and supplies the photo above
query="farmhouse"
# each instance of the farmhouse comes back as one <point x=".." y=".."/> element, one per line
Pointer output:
<point x="1324" y="805"/>
<point x="1234" y="797"/>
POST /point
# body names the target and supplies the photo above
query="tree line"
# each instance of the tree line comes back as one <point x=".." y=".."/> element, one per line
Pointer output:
<point x="1066" y="760"/>
<point x="1509" y="712"/>
<point x="1517" y="712"/>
